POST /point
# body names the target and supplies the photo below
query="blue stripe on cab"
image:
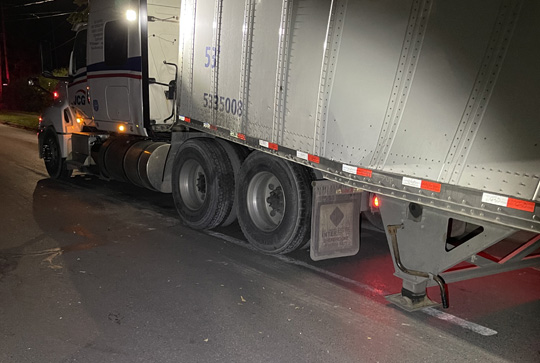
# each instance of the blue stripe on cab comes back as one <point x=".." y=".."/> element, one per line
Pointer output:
<point x="132" y="64"/>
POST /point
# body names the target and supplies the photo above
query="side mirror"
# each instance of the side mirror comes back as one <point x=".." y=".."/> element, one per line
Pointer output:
<point x="34" y="82"/>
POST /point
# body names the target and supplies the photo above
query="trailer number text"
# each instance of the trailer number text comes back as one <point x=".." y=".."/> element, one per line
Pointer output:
<point x="223" y="104"/>
<point x="210" y="54"/>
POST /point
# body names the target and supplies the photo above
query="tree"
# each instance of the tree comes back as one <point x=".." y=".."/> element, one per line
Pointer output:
<point x="81" y="15"/>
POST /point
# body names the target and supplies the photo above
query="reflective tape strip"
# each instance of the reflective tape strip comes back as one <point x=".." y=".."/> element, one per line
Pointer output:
<point x="411" y="182"/>
<point x="357" y="171"/>
<point x="302" y="155"/>
<point x="268" y="145"/>
<point x="314" y="159"/>
<point x="421" y="184"/>
<point x="521" y="205"/>
<point x="238" y="136"/>
<point x="494" y="199"/>
<point x="508" y="202"/>
<point x="364" y="172"/>
<point x="431" y="186"/>
<point x="309" y="157"/>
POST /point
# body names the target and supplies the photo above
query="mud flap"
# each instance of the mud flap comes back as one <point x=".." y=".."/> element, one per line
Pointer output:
<point x="335" y="223"/>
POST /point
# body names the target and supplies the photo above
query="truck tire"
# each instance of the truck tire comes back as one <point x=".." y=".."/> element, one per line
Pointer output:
<point x="274" y="203"/>
<point x="237" y="155"/>
<point x="202" y="183"/>
<point x="52" y="155"/>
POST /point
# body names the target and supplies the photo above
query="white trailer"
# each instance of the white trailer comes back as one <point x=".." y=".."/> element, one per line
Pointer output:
<point x="291" y="115"/>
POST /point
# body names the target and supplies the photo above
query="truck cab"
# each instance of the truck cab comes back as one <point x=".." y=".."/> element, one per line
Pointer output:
<point x="121" y="81"/>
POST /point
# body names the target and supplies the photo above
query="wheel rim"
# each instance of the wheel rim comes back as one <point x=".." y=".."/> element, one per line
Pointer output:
<point x="192" y="184"/>
<point x="50" y="154"/>
<point x="265" y="201"/>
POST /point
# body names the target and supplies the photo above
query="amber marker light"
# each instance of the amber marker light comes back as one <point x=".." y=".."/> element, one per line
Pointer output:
<point x="376" y="201"/>
<point x="121" y="128"/>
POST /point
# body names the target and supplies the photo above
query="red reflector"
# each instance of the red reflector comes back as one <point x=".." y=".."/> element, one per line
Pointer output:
<point x="521" y="205"/>
<point x="376" y="201"/>
<point x="314" y="158"/>
<point x="56" y="95"/>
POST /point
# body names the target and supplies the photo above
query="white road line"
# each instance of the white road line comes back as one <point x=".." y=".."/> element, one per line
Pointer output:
<point x="479" y="329"/>
<point x="482" y="330"/>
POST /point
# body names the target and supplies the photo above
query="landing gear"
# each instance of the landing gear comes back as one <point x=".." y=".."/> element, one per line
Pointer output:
<point x="419" y="237"/>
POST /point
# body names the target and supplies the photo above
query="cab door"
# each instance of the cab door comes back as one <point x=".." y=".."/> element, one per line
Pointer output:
<point x="115" y="68"/>
<point x="78" y="90"/>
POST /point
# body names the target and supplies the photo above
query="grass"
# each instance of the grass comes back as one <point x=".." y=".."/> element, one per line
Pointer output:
<point x="27" y="120"/>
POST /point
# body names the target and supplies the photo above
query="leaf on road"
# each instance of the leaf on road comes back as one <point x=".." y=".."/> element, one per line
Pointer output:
<point x="50" y="259"/>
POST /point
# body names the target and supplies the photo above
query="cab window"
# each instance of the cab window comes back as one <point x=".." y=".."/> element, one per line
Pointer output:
<point x="116" y="43"/>
<point x="79" y="52"/>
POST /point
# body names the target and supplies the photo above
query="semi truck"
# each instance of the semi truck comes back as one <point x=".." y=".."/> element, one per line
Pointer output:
<point x="297" y="117"/>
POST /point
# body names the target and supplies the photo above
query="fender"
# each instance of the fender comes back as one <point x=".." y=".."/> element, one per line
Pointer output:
<point x="56" y="118"/>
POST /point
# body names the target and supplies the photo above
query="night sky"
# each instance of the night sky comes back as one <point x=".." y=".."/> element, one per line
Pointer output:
<point x="29" y="22"/>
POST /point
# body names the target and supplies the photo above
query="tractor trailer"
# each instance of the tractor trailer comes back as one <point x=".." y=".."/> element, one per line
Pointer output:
<point x="296" y="117"/>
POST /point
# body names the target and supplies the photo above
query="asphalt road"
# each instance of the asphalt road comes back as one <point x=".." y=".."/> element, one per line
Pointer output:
<point x="95" y="271"/>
